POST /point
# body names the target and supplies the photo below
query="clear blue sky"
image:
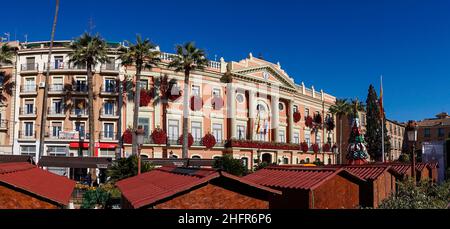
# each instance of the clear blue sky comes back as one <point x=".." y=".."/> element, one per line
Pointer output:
<point x="339" y="46"/>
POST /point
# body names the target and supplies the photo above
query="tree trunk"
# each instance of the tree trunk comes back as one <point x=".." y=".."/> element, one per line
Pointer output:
<point x="137" y="101"/>
<point x="340" y="140"/>
<point x="185" y="114"/>
<point x="91" y="115"/>
<point x="44" y="98"/>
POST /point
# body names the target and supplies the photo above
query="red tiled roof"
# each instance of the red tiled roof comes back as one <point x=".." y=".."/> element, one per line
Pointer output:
<point x="367" y="172"/>
<point x="162" y="183"/>
<point x="34" y="180"/>
<point x="307" y="178"/>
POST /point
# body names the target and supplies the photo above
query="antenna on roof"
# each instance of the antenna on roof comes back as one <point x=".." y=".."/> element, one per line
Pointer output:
<point x="91" y="24"/>
<point x="26" y="38"/>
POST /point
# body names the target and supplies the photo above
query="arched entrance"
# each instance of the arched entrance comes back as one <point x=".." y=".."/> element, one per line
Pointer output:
<point x="267" y="157"/>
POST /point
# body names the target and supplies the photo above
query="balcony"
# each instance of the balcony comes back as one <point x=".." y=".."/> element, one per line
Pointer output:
<point x="108" y="136"/>
<point x="109" y="90"/>
<point x="110" y="68"/>
<point x="3" y="124"/>
<point x="56" y="89"/>
<point x="28" y="89"/>
<point x="109" y="113"/>
<point x="261" y="145"/>
<point x="25" y="112"/>
<point x="80" y="89"/>
<point x="66" y="67"/>
<point x="27" y="135"/>
<point x="29" y="68"/>
<point x="53" y="112"/>
<point x="79" y="113"/>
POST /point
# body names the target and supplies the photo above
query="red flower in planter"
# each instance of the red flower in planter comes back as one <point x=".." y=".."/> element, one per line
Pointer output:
<point x="127" y="136"/>
<point x="297" y="116"/>
<point x="146" y="97"/>
<point x="209" y="141"/>
<point x="309" y="121"/>
<point x="217" y="103"/>
<point x="326" y="148"/>
<point x="159" y="136"/>
<point x="196" y="103"/>
<point x="174" y="92"/>
<point x="304" y="147"/>
<point x="318" y="119"/>
<point x="190" y="140"/>
<point x="315" y="148"/>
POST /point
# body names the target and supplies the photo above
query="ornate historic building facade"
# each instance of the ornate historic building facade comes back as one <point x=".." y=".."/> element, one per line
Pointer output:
<point x="252" y="107"/>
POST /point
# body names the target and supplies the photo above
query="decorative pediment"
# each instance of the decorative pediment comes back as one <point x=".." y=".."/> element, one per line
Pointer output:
<point x="266" y="73"/>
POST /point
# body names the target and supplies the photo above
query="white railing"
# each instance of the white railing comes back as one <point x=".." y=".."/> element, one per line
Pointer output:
<point x="169" y="57"/>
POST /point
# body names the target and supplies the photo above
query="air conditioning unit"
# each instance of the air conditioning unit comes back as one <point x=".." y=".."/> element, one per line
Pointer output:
<point x="41" y="84"/>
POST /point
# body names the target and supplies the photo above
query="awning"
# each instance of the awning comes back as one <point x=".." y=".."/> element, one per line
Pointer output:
<point x="16" y="158"/>
<point x="75" y="162"/>
<point x="97" y="145"/>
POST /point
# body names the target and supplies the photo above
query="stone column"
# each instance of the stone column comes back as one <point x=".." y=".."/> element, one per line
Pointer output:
<point x="231" y="109"/>
<point x="291" y="121"/>
<point x="275" y="118"/>
<point x="251" y="113"/>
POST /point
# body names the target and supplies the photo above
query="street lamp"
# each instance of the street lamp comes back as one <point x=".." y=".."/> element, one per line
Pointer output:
<point x="139" y="140"/>
<point x="411" y="129"/>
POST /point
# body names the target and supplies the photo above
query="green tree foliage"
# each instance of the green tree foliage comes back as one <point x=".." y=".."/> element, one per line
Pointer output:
<point x="424" y="195"/>
<point x="231" y="165"/>
<point x="373" y="134"/>
<point x="403" y="157"/>
<point x="96" y="198"/>
<point x="6" y="54"/>
<point x="127" y="167"/>
<point x="261" y="165"/>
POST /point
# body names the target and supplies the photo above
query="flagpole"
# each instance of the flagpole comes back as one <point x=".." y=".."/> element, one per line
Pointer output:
<point x="382" y="121"/>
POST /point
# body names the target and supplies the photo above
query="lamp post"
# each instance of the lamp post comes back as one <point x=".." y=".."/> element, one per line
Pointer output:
<point x="411" y="129"/>
<point x="139" y="140"/>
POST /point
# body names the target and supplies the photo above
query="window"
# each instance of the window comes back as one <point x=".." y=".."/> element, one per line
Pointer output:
<point x="427" y="132"/>
<point x="58" y="151"/>
<point x="307" y="160"/>
<point x="144" y="84"/>
<point x="110" y="85"/>
<point x="59" y="62"/>
<point x="80" y="85"/>
<point x="281" y="106"/>
<point x="29" y="106"/>
<point x="57" y="106"/>
<point x="31" y="63"/>
<point x="28" y="150"/>
<point x="296" y="138"/>
<point x="216" y="92"/>
<point x="80" y="106"/>
<point x="217" y="132"/>
<point x="196" y="130"/>
<point x="282" y="136"/>
<point x="195" y="90"/>
<point x="318" y="139"/>
<point x="260" y="107"/>
<point x="108" y="130"/>
<point x="285" y="160"/>
<point x="30" y="85"/>
<point x="56" y="128"/>
<point x="29" y="129"/>
<point x="81" y="128"/>
<point x="173" y="130"/>
<point x="441" y="132"/>
<point x="240" y="131"/>
<point x="108" y="108"/>
<point x="145" y="123"/>
<point x="58" y="84"/>
<point x="196" y="157"/>
<point x="110" y="64"/>
<point x="107" y="153"/>
<point x="306" y="112"/>
<point x="308" y="137"/>
<point x="295" y="108"/>
<point x="240" y="98"/>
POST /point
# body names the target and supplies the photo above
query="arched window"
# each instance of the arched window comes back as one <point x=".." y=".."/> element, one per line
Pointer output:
<point x="307" y="160"/>
<point x="196" y="157"/>
<point x="285" y="160"/>
<point x="217" y="157"/>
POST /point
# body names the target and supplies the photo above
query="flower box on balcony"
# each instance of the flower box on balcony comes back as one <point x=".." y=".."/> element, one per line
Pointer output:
<point x="262" y="145"/>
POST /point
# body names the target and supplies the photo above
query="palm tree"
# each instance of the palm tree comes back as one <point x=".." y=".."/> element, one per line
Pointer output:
<point x="89" y="51"/>
<point x="164" y="89"/>
<point x="356" y="106"/>
<point x="144" y="55"/>
<point x="339" y="109"/>
<point x="6" y="54"/>
<point x="188" y="58"/>
<point x="44" y="98"/>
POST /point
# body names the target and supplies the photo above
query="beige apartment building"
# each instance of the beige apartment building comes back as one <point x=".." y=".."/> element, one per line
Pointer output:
<point x="434" y="129"/>
<point x="396" y="132"/>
